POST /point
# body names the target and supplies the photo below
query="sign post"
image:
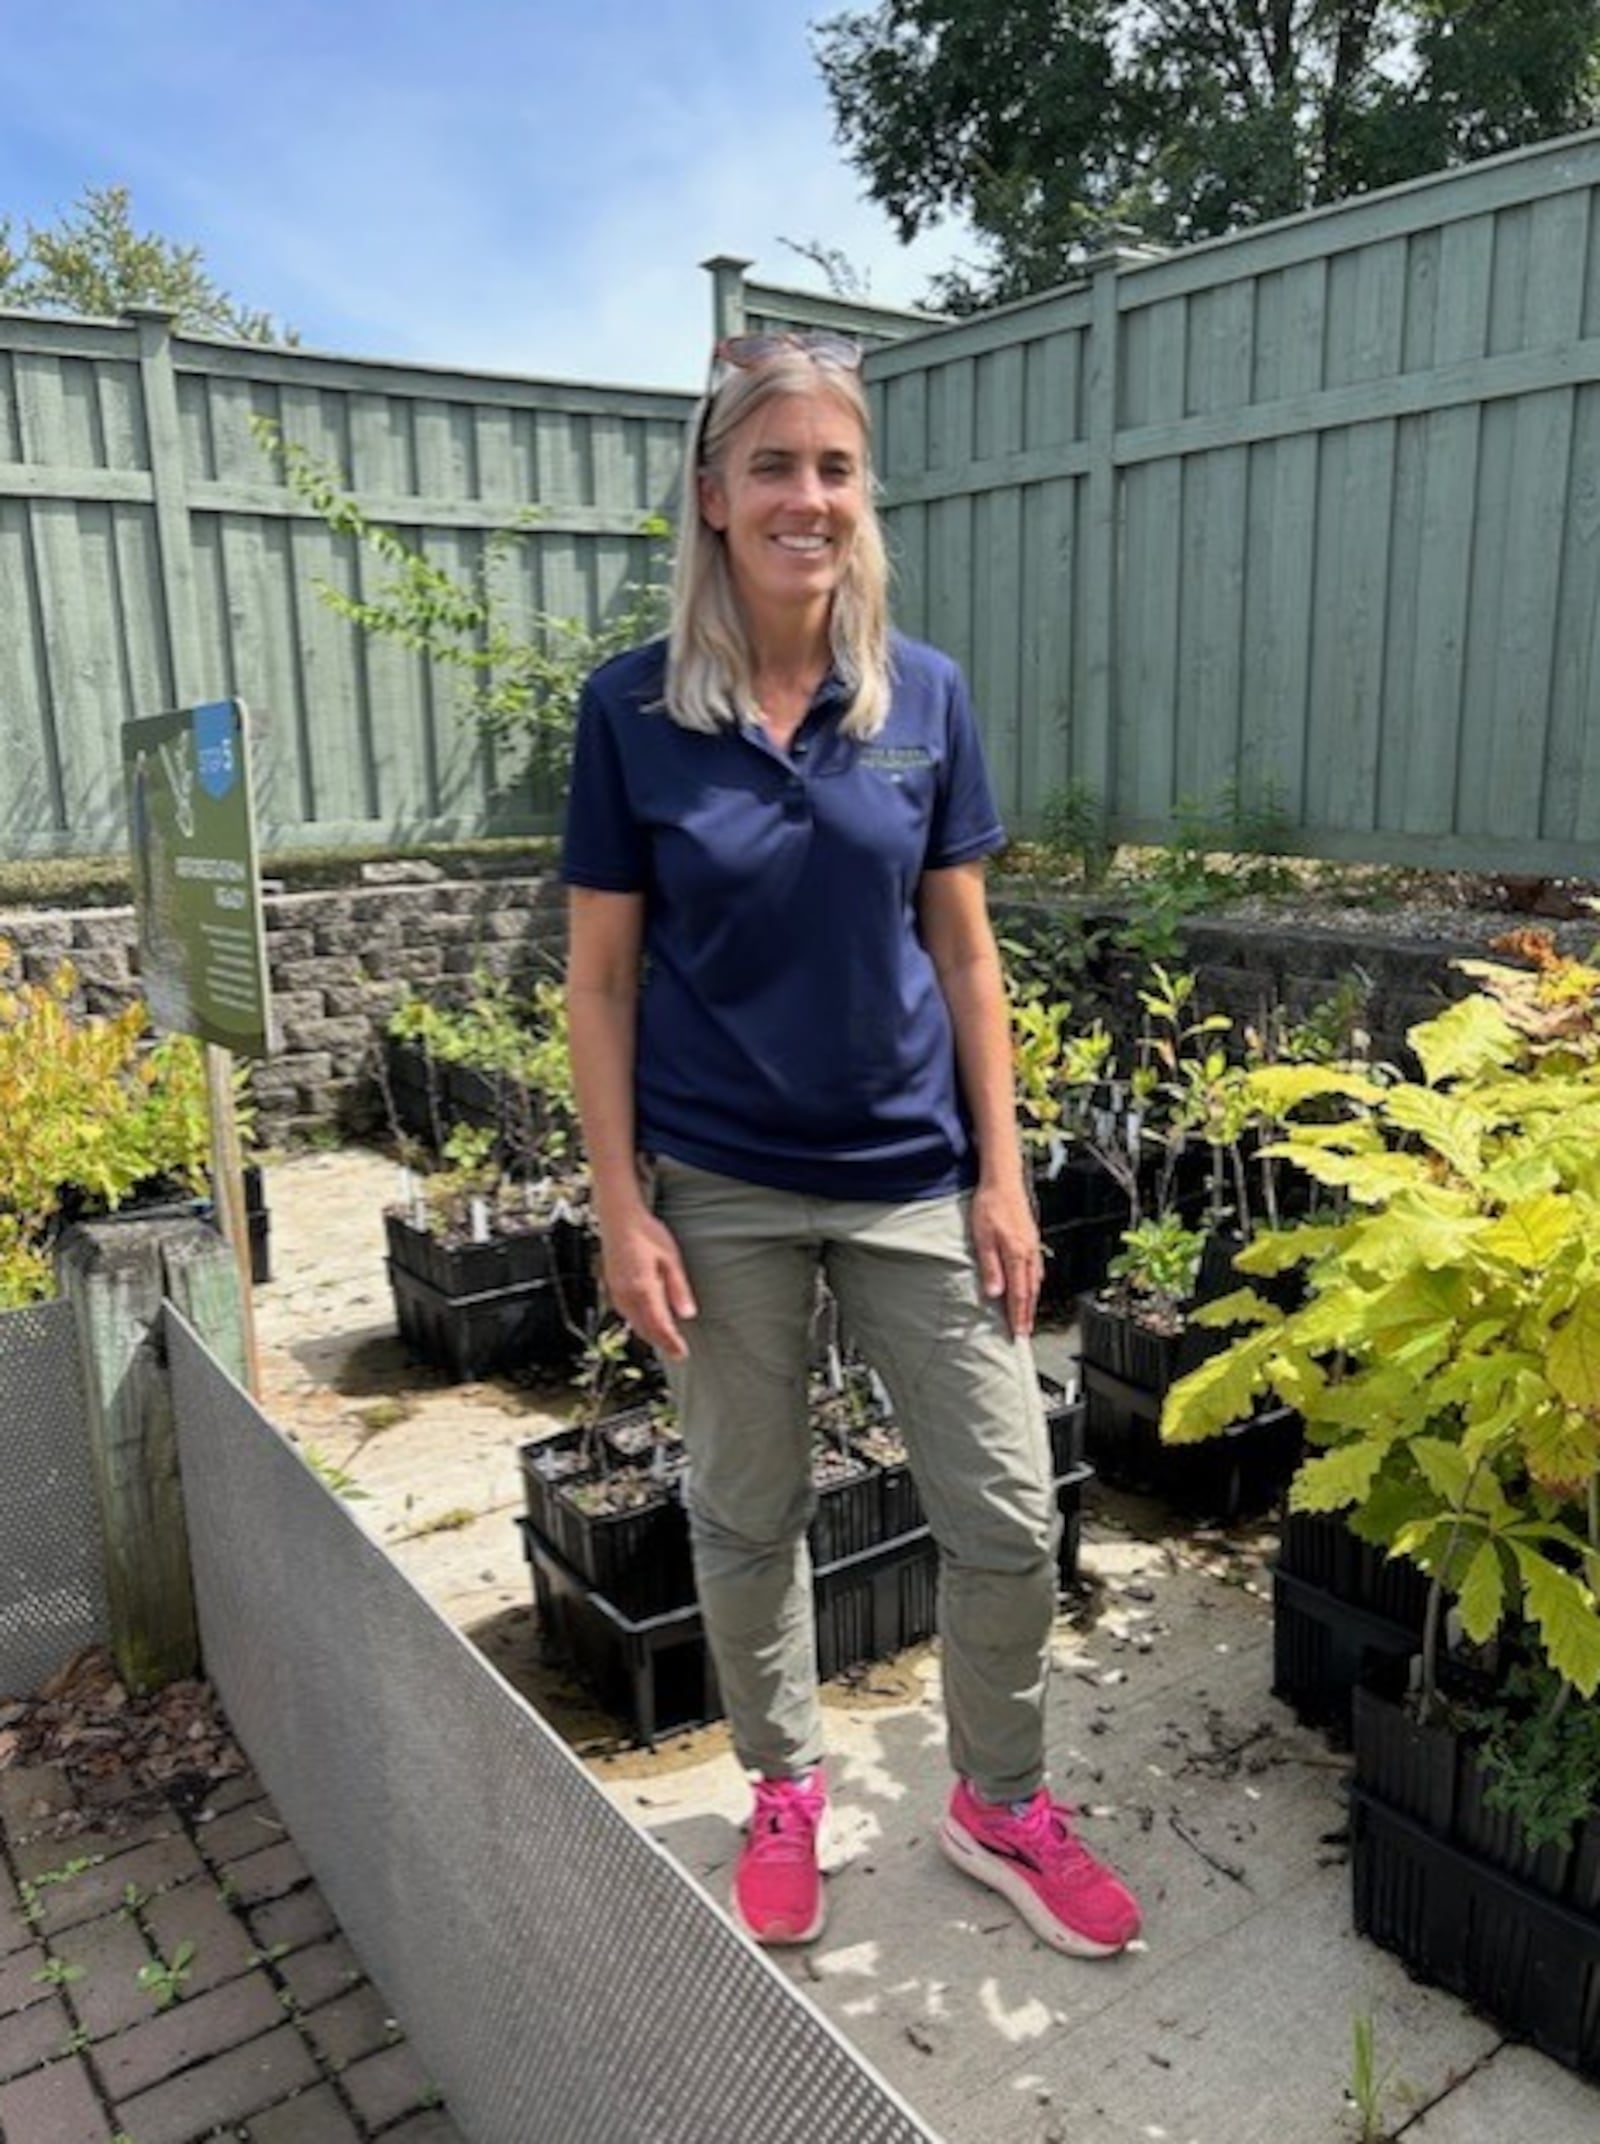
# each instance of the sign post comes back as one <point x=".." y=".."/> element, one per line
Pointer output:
<point x="202" y="944"/>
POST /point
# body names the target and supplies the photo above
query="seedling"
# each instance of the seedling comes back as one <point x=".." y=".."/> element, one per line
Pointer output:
<point x="1368" y="2084"/>
<point x="59" y="1974"/>
<point x="164" y="1978"/>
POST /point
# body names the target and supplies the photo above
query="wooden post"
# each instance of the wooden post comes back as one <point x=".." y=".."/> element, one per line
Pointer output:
<point x="116" y="1275"/>
<point x="727" y="294"/>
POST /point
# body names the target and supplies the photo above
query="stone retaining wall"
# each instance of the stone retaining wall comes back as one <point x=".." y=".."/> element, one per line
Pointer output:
<point x="340" y="960"/>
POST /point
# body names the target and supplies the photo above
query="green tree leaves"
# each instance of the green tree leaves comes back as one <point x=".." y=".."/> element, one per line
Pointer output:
<point x="1049" y="123"/>
<point x="95" y="262"/>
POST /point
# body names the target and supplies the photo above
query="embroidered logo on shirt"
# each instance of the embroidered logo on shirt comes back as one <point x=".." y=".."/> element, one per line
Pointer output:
<point x="893" y="758"/>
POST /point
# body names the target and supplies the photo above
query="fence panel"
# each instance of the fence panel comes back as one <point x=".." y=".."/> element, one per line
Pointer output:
<point x="559" y="1976"/>
<point x="1336" y="538"/>
<point x="52" y="1559"/>
<point x="108" y="612"/>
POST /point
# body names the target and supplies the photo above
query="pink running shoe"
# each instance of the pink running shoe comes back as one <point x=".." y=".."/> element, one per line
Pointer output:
<point x="777" y="1886"/>
<point x="1069" y="1900"/>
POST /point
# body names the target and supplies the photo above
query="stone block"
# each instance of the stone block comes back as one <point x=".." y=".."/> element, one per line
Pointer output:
<point x="231" y="2087"/>
<point x="58" y="2103"/>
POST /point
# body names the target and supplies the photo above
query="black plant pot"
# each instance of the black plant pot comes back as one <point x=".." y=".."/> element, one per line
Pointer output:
<point x="621" y="1528"/>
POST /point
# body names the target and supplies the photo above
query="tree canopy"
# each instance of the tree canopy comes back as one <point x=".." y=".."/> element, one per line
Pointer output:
<point x="94" y="261"/>
<point x="1048" y="122"/>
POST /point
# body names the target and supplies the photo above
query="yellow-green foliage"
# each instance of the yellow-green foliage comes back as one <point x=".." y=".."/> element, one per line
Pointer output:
<point x="88" y="1107"/>
<point x="1447" y="1357"/>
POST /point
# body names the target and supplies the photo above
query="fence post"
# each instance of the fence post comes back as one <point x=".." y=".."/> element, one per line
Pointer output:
<point x="1093" y="757"/>
<point x="116" y="1275"/>
<point x="727" y="294"/>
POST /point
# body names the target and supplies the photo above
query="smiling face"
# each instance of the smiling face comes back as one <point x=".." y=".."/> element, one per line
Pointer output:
<point x="788" y="494"/>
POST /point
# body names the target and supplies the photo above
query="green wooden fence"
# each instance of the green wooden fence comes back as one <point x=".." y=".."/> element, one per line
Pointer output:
<point x="151" y="554"/>
<point x="1309" y="517"/>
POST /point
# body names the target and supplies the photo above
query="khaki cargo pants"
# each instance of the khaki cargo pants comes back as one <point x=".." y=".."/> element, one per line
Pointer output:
<point x="966" y="1400"/>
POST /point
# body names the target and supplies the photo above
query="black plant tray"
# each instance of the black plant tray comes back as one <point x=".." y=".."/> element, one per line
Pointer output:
<point x="1318" y="1548"/>
<point x="1243" y="1470"/>
<point x="1322" y="1646"/>
<point x="470" y="1336"/>
<point x="558" y="1252"/>
<point x="849" y="1516"/>
<point x="639" y="1557"/>
<point x="1435" y="1777"/>
<point x="655" y="1671"/>
<point x="1532" y="1963"/>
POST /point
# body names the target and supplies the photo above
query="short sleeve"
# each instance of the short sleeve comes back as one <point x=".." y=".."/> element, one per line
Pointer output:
<point x="604" y="846"/>
<point x="966" y="820"/>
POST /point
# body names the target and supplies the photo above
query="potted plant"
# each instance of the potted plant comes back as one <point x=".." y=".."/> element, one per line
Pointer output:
<point x="490" y="1256"/>
<point x="604" y="1493"/>
<point x="1183" y="1103"/>
<point x="1446" y="1363"/>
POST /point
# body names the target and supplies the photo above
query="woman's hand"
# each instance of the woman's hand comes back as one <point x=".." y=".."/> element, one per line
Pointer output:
<point x="1006" y="1246"/>
<point x="646" y="1282"/>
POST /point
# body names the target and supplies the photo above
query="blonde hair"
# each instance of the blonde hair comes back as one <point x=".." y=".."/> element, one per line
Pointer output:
<point x="710" y="660"/>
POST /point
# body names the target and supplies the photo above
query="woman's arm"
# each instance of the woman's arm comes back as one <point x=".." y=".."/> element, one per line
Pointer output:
<point x="954" y="916"/>
<point x="643" y="1267"/>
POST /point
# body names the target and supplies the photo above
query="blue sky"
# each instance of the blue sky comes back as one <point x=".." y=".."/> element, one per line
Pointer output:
<point x="523" y="188"/>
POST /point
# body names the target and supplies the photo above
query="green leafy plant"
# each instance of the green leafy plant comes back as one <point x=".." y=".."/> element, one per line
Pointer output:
<point x="1159" y="1264"/>
<point x="1542" y="1752"/>
<point x="1446" y="1357"/>
<point x="333" y="1476"/>
<point x="525" y="670"/>
<point x="1073" y="836"/>
<point x="165" y="1978"/>
<point x="532" y="1157"/>
<point x="57" y="1973"/>
<point x="93" y="1110"/>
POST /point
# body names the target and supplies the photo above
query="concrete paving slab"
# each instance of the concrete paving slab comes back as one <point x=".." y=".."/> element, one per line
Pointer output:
<point x="1514" y="2093"/>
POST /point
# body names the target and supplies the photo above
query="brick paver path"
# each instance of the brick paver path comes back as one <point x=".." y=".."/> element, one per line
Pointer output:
<point x="253" y="2018"/>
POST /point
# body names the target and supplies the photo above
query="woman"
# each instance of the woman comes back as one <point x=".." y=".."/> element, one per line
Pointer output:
<point x="778" y="818"/>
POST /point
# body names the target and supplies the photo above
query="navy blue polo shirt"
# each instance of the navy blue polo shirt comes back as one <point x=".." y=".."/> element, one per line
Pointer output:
<point x="791" y="1028"/>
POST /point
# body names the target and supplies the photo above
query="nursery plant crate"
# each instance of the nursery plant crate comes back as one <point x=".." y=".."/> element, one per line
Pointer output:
<point x="1340" y="1607"/>
<point x="517" y="1302"/>
<point x="1454" y="1889"/>
<point x="415" y="1096"/>
<point x="849" y="1516"/>
<point x="1529" y="1961"/>
<point x="636" y="1555"/>
<point x="655" y="1671"/>
<point x="1244" y="1470"/>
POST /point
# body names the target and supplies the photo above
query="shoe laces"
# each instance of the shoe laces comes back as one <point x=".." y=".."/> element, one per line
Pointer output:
<point x="783" y="1824"/>
<point x="1047" y="1831"/>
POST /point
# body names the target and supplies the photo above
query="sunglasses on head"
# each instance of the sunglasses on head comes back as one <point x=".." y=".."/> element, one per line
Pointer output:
<point x="744" y="353"/>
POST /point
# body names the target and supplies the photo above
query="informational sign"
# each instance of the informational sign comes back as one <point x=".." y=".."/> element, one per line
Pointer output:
<point x="197" y="888"/>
